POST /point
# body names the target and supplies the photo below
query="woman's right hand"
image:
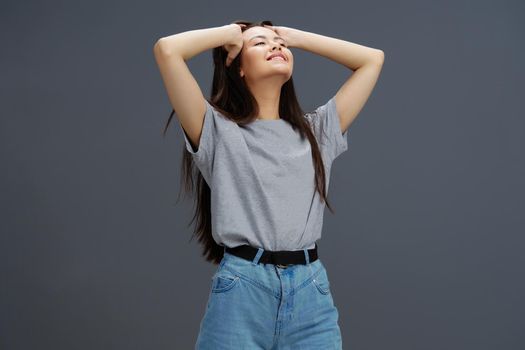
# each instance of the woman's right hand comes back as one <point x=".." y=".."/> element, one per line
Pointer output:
<point x="234" y="47"/>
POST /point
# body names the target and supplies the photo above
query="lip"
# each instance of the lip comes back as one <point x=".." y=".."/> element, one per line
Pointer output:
<point x="277" y="54"/>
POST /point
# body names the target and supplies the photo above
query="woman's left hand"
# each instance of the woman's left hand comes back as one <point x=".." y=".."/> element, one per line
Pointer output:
<point x="291" y="36"/>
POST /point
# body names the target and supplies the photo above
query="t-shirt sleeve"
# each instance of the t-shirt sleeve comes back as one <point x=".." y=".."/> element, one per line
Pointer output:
<point x="204" y="155"/>
<point x="327" y="129"/>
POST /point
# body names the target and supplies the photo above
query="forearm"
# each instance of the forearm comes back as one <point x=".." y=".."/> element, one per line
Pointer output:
<point x="191" y="43"/>
<point x="349" y="54"/>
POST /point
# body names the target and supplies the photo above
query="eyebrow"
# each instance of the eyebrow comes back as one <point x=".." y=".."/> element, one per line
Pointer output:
<point x="264" y="37"/>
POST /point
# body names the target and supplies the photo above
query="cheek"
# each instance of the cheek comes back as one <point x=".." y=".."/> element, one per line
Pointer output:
<point x="253" y="58"/>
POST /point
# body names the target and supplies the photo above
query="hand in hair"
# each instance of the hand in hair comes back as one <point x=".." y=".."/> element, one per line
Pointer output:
<point x="234" y="46"/>
<point x="290" y="35"/>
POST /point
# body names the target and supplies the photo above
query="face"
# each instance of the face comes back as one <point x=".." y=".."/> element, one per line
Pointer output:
<point x="258" y="44"/>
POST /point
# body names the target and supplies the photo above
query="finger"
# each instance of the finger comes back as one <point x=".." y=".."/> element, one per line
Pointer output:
<point x="229" y="60"/>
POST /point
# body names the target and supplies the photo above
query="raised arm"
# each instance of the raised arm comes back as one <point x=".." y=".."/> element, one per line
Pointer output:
<point x="366" y="62"/>
<point x="184" y="93"/>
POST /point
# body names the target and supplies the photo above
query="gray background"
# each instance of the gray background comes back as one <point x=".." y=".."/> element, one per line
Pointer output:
<point x="425" y="250"/>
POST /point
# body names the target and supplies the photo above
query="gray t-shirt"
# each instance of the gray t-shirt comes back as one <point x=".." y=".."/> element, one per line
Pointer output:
<point x="261" y="178"/>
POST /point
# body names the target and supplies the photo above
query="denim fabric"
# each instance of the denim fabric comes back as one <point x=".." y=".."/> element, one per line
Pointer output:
<point x="253" y="305"/>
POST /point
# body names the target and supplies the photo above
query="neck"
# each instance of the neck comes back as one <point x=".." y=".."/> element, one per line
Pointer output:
<point x="267" y="94"/>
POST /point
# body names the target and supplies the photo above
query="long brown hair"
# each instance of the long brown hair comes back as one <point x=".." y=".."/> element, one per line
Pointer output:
<point x="232" y="98"/>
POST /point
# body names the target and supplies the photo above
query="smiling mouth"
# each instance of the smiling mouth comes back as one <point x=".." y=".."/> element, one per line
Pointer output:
<point x="277" y="58"/>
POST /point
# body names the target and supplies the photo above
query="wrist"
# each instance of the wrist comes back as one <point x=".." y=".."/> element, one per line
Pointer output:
<point x="233" y="32"/>
<point x="296" y="38"/>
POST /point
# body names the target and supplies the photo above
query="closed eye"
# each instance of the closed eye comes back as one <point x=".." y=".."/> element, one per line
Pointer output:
<point x="262" y="42"/>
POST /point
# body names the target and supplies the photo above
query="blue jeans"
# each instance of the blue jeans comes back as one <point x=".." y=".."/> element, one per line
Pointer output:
<point x="253" y="306"/>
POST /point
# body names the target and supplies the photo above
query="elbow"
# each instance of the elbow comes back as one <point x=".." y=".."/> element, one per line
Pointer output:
<point x="160" y="48"/>
<point x="157" y="48"/>
<point x="379" y="57"/>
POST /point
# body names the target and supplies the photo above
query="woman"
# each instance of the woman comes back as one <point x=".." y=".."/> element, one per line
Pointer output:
<point x="263" y="169"/>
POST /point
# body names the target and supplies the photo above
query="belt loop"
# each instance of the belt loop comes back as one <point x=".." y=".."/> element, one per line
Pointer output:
<point x="306" y="256"/>
<point x="255" y="260"/>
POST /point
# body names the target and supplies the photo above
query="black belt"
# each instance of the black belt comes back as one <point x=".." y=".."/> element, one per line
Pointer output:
<point x="277" y="257"/>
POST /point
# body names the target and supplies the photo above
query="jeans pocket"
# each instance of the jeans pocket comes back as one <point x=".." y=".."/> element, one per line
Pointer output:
<point x="223" y="281"/>
<point x="321" y="282"/>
